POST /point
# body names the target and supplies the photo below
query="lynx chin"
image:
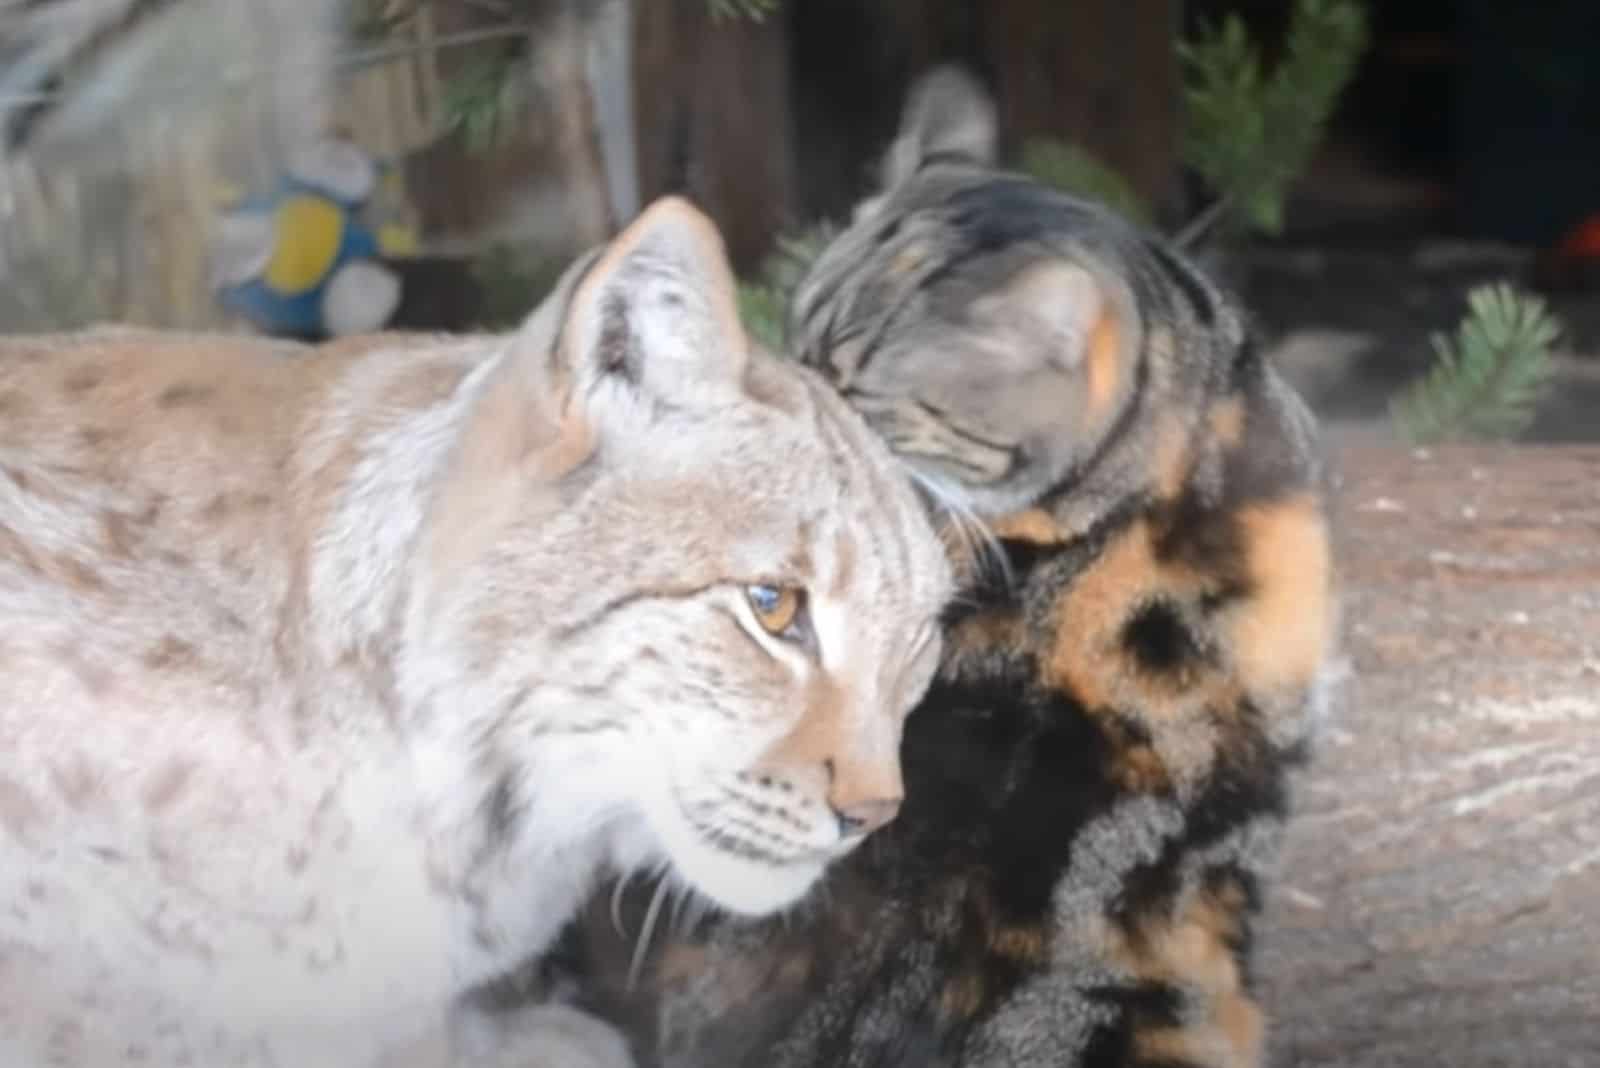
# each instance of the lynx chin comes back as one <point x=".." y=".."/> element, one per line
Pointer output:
<point x="332" y="679"/>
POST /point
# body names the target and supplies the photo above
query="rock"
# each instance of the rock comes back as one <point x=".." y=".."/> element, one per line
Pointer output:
<point x="1439" y="902"/>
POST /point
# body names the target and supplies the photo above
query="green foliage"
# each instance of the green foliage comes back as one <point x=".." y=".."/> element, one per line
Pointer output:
<point x="1073" y="169"/>
<point x="489" y="93"/>
<point x="484" y="99"/>
<point x="764" y="300"/>
<point x="1487" y="384"/>
<point x="514" y="279"/>
<point x="1249" y="134"/>
<point x="761" y="309"/>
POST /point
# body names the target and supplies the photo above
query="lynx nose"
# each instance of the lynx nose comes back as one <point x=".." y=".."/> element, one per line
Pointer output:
<point x="864" y="817"/>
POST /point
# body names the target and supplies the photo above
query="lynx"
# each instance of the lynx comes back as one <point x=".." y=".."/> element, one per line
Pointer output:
<point x="332" y="679"/>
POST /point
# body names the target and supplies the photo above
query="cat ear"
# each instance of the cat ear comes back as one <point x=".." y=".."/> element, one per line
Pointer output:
<point x="947" y="113"/>
<point x="651" y="317"/>
<point x="1066" y="315"/>
<point x="1057" y="304"/>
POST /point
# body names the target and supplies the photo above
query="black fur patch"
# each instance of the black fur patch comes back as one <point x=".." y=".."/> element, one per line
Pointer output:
<point x="1183" y="277"/>
<point x="1159" y="640"/>
<point x="614" y="348"/>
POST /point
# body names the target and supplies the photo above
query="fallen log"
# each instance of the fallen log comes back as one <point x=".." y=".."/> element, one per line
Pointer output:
<point x="1439" y="901"/>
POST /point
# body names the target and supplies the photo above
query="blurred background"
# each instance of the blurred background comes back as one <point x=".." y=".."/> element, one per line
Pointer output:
<point x="307" y="167"/>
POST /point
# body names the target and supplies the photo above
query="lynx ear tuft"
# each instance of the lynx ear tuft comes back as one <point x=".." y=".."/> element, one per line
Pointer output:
<point x="659" y="309"/>
<point x="651" y="317"/>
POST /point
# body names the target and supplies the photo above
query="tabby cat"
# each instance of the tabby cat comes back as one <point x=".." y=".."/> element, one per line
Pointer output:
<point x="1097" y="779"/>
<point x="332" y="679"/>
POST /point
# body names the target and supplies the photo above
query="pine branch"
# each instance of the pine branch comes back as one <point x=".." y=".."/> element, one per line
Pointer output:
<point x="1489" y="382"/>
<point x="512" y="278"/>
<point x="484" y="98"/>
<point x="1249" y="134"/>
<point x="1072" y="169"/>
<point x="761" y="309"/>
<point x="764" y="300"/>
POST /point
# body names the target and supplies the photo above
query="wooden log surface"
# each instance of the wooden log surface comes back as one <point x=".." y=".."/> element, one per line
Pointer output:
<point x="1439" y="901"/>
<point x="1062" y="70"/>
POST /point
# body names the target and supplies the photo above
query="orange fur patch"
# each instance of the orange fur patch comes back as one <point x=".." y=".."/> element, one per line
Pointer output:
<point x="1231" y="1038"/>
<point x="962" y="996"/>
<point x="1192" y="952"/>
<point x="1171" y="461"/>
<point x="1091" y="659"/>
<point x="1138" y="769"/>
<point x="1281" y="635"/>
<point x="1227" y="420"/>
<point x="1026" y="944"/>
<point x="1088" y="659"/>
<point x="1032" y="524"/>
<point x="1089" y="613"/>
<point x="1103" y="363"/>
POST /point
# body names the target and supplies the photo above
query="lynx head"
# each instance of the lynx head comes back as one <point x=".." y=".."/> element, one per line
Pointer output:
<point x="687" y="569"/>
<point x="990" y="328"/>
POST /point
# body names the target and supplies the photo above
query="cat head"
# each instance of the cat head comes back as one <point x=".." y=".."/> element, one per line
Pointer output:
<point x="689" y="570"/>
<point x="992" y="329"/>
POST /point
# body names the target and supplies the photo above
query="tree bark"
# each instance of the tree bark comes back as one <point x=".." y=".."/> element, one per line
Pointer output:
<point x="711" y="104"/>
<point x="1101" y="73"/>
<point x="544" y="180"/>
<point x="1439" y="901"/>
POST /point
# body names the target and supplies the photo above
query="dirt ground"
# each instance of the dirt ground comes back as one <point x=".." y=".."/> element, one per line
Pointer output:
<point x="1440" y="902"/>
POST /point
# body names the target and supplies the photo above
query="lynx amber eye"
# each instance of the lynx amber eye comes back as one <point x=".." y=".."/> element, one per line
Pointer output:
<point x="776" y="607"/>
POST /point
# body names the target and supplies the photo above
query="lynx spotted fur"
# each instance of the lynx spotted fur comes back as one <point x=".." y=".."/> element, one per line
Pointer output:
<point x="332" y="679"/>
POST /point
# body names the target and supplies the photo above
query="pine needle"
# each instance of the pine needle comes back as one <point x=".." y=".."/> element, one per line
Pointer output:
<point x="764" y="300"/>
<point x="1487" y="384"/>
<point x="1249" y="134"/>
<point x="761" y="311"/>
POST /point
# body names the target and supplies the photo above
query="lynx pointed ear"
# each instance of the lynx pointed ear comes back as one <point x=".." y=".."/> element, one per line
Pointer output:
<point x="658" y="311"/>
<point x="651" y="316"/>
<point x="947" y="113"/>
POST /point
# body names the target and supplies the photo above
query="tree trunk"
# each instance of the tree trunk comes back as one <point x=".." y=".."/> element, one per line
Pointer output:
<point x="1101" y="73"/>
<point x="544" y="179"/>
<point x="711" y="104"/>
